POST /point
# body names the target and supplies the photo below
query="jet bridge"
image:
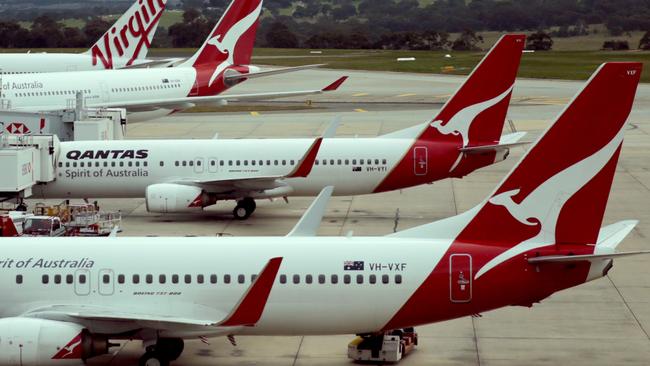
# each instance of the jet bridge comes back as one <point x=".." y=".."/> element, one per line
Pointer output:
<point x="26" y="161"/>
<point x="73" y="123"/>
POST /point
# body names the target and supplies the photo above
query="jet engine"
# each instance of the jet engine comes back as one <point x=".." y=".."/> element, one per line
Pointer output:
<point x="40" y="342"/>
<point x="170" y="198"/>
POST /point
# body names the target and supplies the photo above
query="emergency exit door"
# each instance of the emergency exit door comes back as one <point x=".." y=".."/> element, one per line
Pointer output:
<point x="460" y="278"/>
<point x="106" y="282"/>
<point x="420" y="160"/>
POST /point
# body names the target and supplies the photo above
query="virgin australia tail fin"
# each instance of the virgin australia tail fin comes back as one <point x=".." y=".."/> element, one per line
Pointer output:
<point x="127" y="42"/>
<point x="558" y="192"/>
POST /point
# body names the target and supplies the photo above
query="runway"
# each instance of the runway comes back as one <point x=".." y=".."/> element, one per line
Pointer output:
<point x="605" y="322"/>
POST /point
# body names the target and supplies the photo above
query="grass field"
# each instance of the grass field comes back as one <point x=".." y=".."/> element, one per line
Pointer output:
<point x="572" y="65"/>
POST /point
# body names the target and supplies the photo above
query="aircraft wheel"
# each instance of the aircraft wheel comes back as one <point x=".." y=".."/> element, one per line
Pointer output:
<point x="244" y="209"/>
<point x="240" y="212"/>
<point x="250" y="204"/>
<point x="170" y="348"/>
<point x="153" y="358"/>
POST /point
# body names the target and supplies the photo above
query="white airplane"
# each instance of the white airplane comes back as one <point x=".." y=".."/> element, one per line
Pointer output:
<point x="64" y="299"/>
<point x="125" y="44"/>
<point x="188" y="175"/>
<point x="222" y="62"/>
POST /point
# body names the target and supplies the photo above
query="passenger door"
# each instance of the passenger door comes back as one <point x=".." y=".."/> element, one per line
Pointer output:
<point x="82" y="282"/>
<point x="106" y="282"/>
<point x="460" y="278"/>
<point x="213" y="165"/>
<point x="199" y="165"/>
<point x="420" y="160"/>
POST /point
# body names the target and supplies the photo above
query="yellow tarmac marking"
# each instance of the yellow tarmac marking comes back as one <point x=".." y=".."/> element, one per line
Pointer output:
<point x="255" y="114"/>
<point x="359" y="94"/>
<point x="405" y="95"/>
<point x="360" y="110"/>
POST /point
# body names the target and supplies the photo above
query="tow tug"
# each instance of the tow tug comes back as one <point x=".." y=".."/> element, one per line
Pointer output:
<point x="386" y="347"/>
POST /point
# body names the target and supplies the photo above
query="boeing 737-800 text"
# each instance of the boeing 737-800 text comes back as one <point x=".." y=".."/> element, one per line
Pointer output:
<point x="188" y="175"/>
<point x="538" y="233"/>
<point x="222" y="62"/>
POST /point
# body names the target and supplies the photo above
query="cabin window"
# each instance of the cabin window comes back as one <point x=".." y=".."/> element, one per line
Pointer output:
<point x="19" y="279"/>
<point x="136" y="279"/>
<point x="293" y="162"/>
<point x="321" y="279"/>
<point x="149" y="278"/>
<point x="82" y="279"/>
<point x="296" y="279"/>
<point x="45" y="279"/>
<point x="162" y="278"/>
<point x="385" y="279"/>
<point x="175" y="163"/>
<point x="120" y="279"/>
<point x="359" y="279"/>
<point x="200" y="279"/>
<point x="398" y="279"/>
<point x="241" y="278"/>
<point x="106" y="279"/>
<point x="213" y="278"/>
<point x="335" y="279"/>
<point x="347" y="279"/>
<point x="184" y="163"/>
<point x="309" y="279"/>
<point x="57" y="279"/>
<point x="175" y="278"/>
<point x="226" y="278"/>
<point x="372" y="279"/>
<point x="284" y="162"/>
<point x="69" y="279"/>
<point x="188" y="278"/>
<point x="253" y="278"/>
<point x="331" y="161"/>
<point x="316" y="162"/>
<point x="283" y="278"/>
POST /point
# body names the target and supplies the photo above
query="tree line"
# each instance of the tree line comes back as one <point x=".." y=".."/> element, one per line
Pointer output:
<point x="366" y="24"/>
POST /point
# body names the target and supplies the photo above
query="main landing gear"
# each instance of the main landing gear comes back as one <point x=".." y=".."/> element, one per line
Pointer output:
<point x="165" y="351"/>
<point x="244" y="208"/>
<point x="385" y="347"/>
<point x="22" y="206"/>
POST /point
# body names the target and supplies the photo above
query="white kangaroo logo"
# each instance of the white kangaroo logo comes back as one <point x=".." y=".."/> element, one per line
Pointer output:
<point x="461" y="122"/>
<point x="543" y="205"/>
<point x="70" y="348"/>
<point x="226" y="43"/>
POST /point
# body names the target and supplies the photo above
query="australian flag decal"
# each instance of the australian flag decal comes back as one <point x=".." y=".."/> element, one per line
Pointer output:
<point x="353" y="266"/>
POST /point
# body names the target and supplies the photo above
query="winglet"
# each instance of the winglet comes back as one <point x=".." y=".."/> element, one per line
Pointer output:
<point x="307" y="162"/>
<point x="249" y="309"/>
<point x="331" y="129"/>
<point x="335" y="85"/>
<point x="311" y="219"/>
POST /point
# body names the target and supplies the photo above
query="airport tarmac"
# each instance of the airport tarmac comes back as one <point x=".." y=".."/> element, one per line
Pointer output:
<point x="606" y="322"/>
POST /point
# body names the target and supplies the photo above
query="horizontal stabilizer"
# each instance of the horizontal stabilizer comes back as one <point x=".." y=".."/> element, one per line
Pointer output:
<point x="259" y="74"/>
<point x="311" y="219"/>
<point x="586" y="257"/>
<point x="159" y="64"/>
<point x="507" y="142"/>
<point x="251" y="306"/>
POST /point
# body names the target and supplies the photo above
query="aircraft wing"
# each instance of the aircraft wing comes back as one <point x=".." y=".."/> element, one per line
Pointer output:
<point x="188" y="102"/>
<point x="247" y="183"/>
<point x="246" y="313"/>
